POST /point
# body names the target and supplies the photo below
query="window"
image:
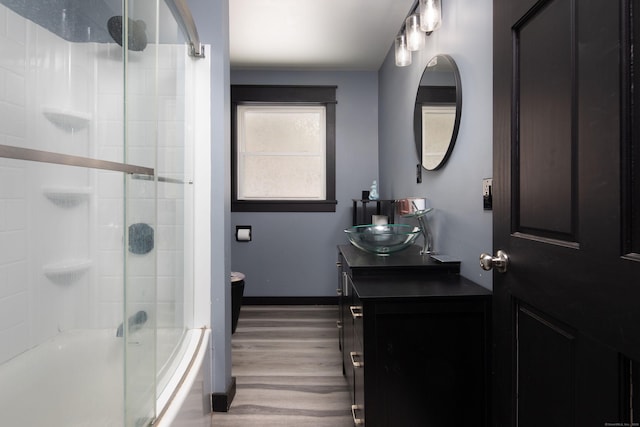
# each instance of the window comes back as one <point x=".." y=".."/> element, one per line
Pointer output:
<point x="438" y="124"/>
<point x="283" y="154"/>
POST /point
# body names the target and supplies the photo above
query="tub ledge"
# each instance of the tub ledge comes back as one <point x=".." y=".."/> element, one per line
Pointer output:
<point x="187" y="378"/>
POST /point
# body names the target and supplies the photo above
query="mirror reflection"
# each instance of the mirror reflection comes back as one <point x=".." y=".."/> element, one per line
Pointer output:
<point x="436" y="116"/>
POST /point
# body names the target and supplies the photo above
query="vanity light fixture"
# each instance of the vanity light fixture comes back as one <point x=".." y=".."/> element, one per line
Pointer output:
<point x="403" y="54"/>
<point x="425" y="17"/>
<point x="414" y="34"/>
<point x="430" y="15"/>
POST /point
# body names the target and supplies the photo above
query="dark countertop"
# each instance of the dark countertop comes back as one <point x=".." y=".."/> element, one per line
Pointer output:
<point x="406" y="275"/>
<point x="429" y="286"/>
<point x="405" y="261"/>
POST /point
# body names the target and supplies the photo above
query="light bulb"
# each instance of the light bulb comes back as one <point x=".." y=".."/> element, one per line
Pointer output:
<point x="415" y="36"/>
<point x="403" y="54"/>
<point x="430" y="15"/>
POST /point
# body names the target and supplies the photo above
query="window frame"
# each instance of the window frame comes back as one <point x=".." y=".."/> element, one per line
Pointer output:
<point x="286" y="95"/>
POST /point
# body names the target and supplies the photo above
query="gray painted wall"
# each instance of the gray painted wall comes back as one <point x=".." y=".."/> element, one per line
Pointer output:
<point x="461" y="227"/>
<point x="294" y="254"/>
<point x="212" y="20"/>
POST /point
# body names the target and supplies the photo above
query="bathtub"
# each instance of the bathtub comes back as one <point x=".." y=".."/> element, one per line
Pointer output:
<point x="77" y="379"/>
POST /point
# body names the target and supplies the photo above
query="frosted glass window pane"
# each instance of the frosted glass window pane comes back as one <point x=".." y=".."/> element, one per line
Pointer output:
<point x="283" y="177"/>
<point x="281" y="152"/>
<point x="276" y="129"/>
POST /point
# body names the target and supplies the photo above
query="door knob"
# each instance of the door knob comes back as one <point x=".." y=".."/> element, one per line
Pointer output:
<point x="500" y="261"/>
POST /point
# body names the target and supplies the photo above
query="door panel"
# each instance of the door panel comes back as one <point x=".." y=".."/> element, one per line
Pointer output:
<point x="631" y="151"/>
<point x="566" y="316"/>
<point x="564" y="378"/>
<point x="544" y="143"/>
<point x="545" y="355"/>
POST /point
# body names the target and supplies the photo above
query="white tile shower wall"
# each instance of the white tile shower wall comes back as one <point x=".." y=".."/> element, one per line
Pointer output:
<point x="155" y="133"/>
<point x="173" y="164"/>
<point x="61" y="229"/>
<point x="14" y="326"/>
<point x="109" y="131"/>
<point x="38" y="228"/>
<point x="14" y="289"/>
<point x="168" y="133"/>
<point x="39" y="75"/>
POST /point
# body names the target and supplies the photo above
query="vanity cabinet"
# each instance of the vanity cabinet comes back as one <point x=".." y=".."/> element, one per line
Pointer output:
<point x="415" y="341"/>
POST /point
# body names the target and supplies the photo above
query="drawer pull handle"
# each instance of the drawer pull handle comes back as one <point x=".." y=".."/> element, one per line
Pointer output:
<point x="353" y="355"/>
<point x="357" y="421"/>
<point x="356" y="311"/>
<point x="339" y="324"/>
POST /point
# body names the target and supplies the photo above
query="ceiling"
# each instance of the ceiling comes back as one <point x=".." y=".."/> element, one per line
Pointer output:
<point x="313" y="34"/>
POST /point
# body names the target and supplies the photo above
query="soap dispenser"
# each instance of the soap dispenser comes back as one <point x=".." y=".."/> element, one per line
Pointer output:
<point x="373" y="193"/>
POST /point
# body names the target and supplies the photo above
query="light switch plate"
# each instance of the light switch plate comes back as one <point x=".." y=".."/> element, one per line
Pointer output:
<point x="487" y="194"/>
<point x="486" y="186"/>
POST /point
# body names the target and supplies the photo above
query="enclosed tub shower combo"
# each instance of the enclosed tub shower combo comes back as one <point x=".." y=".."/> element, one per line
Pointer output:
<point x="104" y="140"/>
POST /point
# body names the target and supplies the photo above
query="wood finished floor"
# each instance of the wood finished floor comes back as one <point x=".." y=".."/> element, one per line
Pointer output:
<point x="288" y="369"/>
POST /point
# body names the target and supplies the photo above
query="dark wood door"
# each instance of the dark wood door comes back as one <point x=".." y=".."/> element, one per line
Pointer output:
<point x="566" y="209"/>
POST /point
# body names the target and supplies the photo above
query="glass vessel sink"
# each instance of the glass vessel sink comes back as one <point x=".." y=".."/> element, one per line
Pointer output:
<point x="382" y="239"/>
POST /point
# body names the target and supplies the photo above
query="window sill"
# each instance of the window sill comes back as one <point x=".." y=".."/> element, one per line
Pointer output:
<point x="283" y="206"/>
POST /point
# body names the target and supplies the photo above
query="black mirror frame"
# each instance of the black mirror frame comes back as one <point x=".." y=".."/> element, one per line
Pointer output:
<point x="437" y="94"/>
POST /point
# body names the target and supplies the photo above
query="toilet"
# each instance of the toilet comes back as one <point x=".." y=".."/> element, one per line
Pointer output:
<point x="237" y="289"/>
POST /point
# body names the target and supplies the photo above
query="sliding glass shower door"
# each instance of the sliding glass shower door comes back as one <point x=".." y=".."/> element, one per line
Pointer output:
<point x="96" y="288"/>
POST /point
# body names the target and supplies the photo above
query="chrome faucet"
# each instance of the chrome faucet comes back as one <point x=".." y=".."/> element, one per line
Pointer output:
<point x="427" y="246"/>
<point x="420" y="215"/>
<point x="135" y="322"/>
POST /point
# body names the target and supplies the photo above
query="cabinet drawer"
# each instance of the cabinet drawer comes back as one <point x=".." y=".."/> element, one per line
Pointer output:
<point x="357" y="353"/>
<point x="347" y="348"/>
<point x="358" y="362"/>
<point x="357" y="315"/>
<point x="358" y="411"/>
<point x="358" y="408"/>
<point x="358" y="320"/>
<point x="356" y="356"/>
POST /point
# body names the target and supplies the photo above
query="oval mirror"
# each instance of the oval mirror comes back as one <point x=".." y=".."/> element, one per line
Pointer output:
<point x="436" y="116"/>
